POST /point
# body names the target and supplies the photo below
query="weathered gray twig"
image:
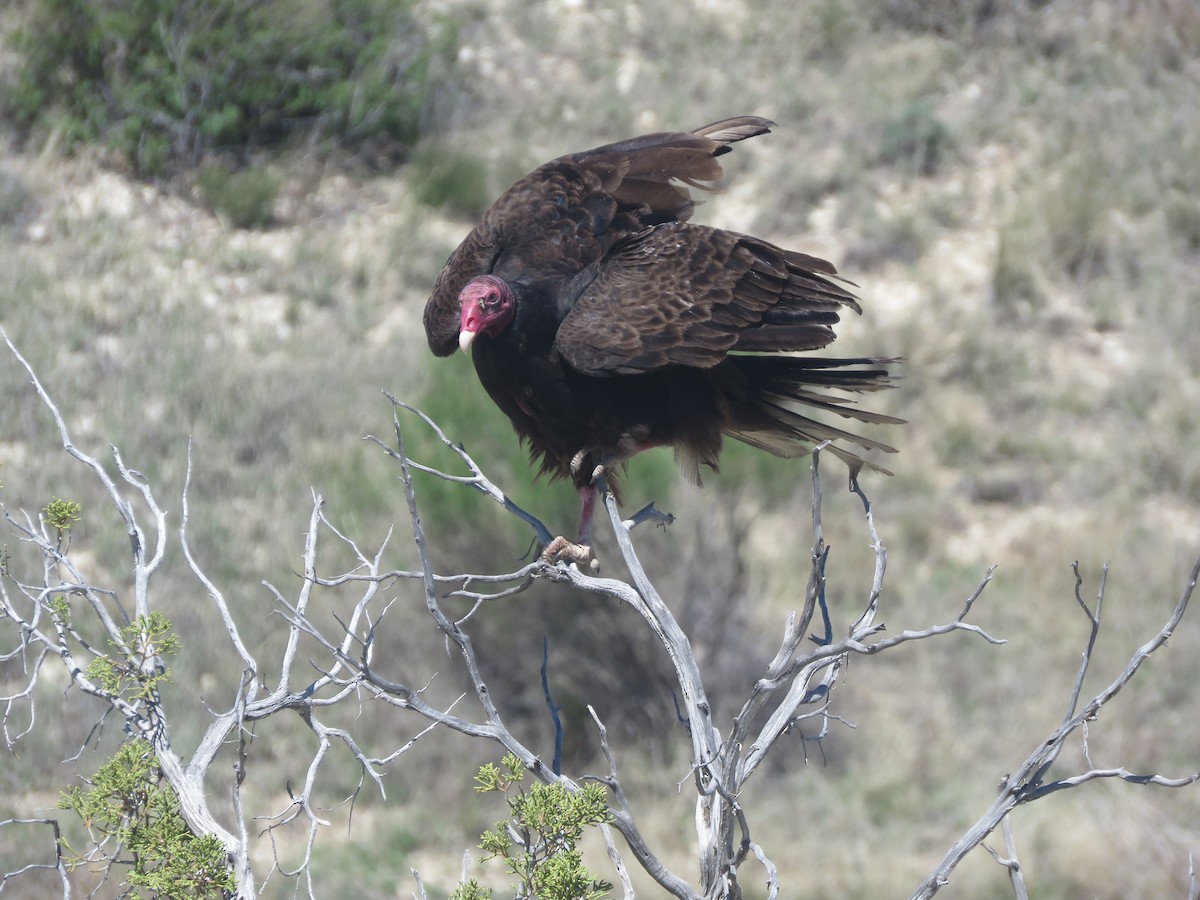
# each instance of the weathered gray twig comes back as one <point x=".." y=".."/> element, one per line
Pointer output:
<point x="1028" y="783"/>
<point x="797" y="686"/>
<point x="59" y="865"/>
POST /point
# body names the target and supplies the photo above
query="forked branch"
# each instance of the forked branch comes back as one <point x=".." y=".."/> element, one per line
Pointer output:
<point x="59" y="615"/>
<point x="1029" y="781"/>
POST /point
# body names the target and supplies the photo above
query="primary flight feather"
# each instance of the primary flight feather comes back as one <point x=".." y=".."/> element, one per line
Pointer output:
<point x="603" y="323"/>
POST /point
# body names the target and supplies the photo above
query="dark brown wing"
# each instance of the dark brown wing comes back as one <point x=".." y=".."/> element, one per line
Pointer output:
<point x="563" y="216"/>
<point x="680" y="294"/>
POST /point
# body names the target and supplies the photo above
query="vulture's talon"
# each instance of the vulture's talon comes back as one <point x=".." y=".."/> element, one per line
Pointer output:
<point x="577" y="462"/>
<point x="562" y="550"/>
<point x="597" y="473"/>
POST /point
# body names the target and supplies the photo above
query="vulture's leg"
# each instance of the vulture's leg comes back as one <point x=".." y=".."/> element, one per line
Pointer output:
<point x="587" y="494"/>
<point x="581" y="551"/>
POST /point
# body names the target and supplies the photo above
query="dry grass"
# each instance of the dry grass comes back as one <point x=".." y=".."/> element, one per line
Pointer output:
<point x="1040" y="277"/>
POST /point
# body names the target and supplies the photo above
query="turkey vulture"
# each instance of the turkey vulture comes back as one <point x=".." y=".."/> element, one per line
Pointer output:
<point x="603" y="323"/>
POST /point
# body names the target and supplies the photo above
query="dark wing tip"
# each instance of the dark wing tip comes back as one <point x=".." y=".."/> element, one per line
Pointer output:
<point x="738" y="128"/>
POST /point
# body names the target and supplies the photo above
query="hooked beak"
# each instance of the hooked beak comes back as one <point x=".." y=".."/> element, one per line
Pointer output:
<point x="465" y="339"/>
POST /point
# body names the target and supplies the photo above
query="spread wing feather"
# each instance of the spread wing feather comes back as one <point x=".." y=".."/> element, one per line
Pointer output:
<point x="566" y="214"/>
<point x="680" y="294"/>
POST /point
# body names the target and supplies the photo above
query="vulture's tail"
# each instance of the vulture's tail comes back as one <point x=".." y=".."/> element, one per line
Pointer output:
<point x="774" y="409"/>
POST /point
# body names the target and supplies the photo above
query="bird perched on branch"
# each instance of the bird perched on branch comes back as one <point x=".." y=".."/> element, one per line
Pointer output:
<point x="603" y="323"/>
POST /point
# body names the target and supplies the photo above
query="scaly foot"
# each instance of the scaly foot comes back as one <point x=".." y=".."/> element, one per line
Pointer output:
<point x="562" y="550"/>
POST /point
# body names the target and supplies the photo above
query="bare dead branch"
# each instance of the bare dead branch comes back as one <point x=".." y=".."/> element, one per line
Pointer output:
<point x="325" y="666"/>
<point x="614" y="785"/>
<point x="476" y="480"/>
<point x="1016" y="875"/>
<point x="1120" y="772"/>
<point x="1094" y="621"/>
<point x="58" y="866"/>
<point x="1028" y="783"/>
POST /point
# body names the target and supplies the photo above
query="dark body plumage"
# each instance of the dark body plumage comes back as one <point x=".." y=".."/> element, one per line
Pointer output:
<point x="625" y="327"/>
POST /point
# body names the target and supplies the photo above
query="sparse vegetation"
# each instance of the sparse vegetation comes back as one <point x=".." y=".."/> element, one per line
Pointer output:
<point x="15" y="199"/>
<point x="539" y="844"/>
<point x="1048" y="323"/>
<point x="163" y="83"/>
<point x="134" y="824"/>
<point x="136" y="674"/>
<point x="915" y="139"/>
<point x="445" y="178"/>
<point x="61" y="514"/>
<point x="246" y="197"/>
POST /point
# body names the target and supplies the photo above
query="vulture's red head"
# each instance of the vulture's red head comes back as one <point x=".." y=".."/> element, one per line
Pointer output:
<point x="488" y="307"/>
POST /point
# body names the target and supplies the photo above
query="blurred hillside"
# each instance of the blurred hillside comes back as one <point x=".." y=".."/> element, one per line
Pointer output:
<point x="1015" y="187"/>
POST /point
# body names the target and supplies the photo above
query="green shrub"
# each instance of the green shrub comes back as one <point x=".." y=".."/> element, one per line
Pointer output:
<point x="450" y="179"/>
<point x="137" y="821"/>
<point x="125" y="671"/>
<point x="165" y="81"/>
<point x="15" y="198"/>
<point x="61" y="514"/>
<point x="539" y="843"/>
<point x="916" y="139"/>
<point x="245" y="197"/>
<point x="947" y="18"/>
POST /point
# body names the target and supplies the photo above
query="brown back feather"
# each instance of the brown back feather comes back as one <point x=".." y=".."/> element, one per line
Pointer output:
<point x="566" y="214"/>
